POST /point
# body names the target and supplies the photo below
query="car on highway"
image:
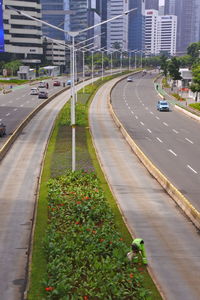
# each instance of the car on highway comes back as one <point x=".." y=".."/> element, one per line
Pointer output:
<point x="129" y="79"/>
<point x="56" y="83"/>
<point x="69" y="82"/>
<point x="87" y="73"/>
<point x="43" y="95"/>
<point x="34" y="91"/>
<point x="2" y="129"/>
<point x="163" y="105"/>
<point x="42" y="84"/>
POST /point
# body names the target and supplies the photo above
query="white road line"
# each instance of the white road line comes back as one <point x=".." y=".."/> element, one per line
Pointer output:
<point x="132" y="112"/>
<point x="136" y="117"/>
<point x="23" y="96"/>
<point x="3" y="105"/>
<point x="146" y="108"/>
<point x="129" y="107"/>
<point x="7" y="114"/>
<point x="15" y="109"/>
<point x="157" y="118"/>
<point x="149" y="130"/>
<point x="142" y="123"/>
<point x="21" y="105"/>
<point x="151" y="112"/>
<point x="191" y="142"/>
<point x="192" y="169"/>
<point x="0" y="120"/>
<point x="159" y="140"/>
<point x="165" y="124"/>
<point x="174" y="130"/>
<point x="172" y="152"/>
<point x="143" y="104"/>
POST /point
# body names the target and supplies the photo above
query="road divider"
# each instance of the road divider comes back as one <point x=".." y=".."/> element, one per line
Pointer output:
<point x="192" y="213"/>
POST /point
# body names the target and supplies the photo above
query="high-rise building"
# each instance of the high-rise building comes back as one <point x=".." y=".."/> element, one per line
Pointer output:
<point x="152" y="4"/>
<point x="117" y="30"/>
<point x="23" y="36"/>
<point x="188" y="18"/>
<point x="151" y="31"/>
<point x="101" y="7"/>
<point x="54" y="12"/>
<point x="170" y="7"/>
<point x="167" y="30"/>
<point x="136" y="30"/>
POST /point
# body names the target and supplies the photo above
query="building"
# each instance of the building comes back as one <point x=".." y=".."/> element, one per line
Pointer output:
<point x="136" y="31"/>
<point x="170" y="6"/>
<point x="152" y="4"/>
<point x="117" y="30"/>
<point x="167" y="31"/>
<point x="55" y="52"/>
<point x="151" y="32"/>
<point x="22" y="36"/>
<point x="101" y="8"/>
<point x="188" y="18"/>
<point x="54" y="12"/>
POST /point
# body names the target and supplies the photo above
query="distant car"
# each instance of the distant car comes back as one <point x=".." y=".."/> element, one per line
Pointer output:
<point x="129" y="79"/>
<point x="43" y="95"/>
<point x="163" y="105"/>
<point x="69" y="82"/>
<point x="88" y="74"/>
<point x="56" y="83"/>
<point x="42" y="84"/>
<point x="34" y="91"/>
<point x="2" y="129"/>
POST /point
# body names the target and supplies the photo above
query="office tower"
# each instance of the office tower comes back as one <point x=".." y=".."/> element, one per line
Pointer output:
<point x="117" y="30"/>
<point x="151" y="31"/>
<point x="167" y="30"/>
<point x="170" y="7"/>
<point x="136" y="32"/>
<point x="22" y="36"/>
<point x="101" y="8"/>
<point x="188" y="14"/>
<point x="152" y="4"/>
<point x="54" y="12"/>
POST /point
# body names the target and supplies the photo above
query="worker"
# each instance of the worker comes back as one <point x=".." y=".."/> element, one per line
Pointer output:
<point x="137" y="249"/>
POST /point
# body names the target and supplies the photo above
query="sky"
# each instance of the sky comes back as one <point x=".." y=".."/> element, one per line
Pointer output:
<point x="161" y="2"/>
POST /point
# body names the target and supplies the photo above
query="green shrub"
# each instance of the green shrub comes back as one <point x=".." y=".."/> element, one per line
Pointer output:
<point x="195" y="105"/>
<point x="86" y="255"/>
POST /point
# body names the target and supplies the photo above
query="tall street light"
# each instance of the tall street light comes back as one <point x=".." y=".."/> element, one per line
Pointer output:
<point x="72" y="35"/>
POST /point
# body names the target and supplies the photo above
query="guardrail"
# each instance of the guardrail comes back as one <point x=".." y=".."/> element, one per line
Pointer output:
<point x="175" y="194"/>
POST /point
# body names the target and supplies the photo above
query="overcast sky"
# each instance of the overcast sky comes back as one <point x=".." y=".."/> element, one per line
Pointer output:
<point x="161" y="2"/>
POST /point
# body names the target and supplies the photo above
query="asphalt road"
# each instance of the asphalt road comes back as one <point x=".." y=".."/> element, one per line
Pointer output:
<point x="172" y="242"/>
<point x="19" y="176"/>
<point x="170" y="139"/>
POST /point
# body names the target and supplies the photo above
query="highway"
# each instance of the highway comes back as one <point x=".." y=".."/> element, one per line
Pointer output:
<point x="19" y="177"/>
<point x="170" y="139"/>
<point x="172" y="241"/>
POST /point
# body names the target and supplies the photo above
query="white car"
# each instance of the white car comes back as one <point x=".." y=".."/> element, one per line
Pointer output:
<point x="34" y="91"/>
<point x="42" y="84"/>
<point x="129" y="79"/>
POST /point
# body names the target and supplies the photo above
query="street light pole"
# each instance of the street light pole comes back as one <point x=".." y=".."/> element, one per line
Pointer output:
<point x="102" y="64"/>
<point x="92" y="66"/>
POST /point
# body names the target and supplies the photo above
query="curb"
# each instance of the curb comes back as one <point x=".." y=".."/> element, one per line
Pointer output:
<point x="175" y="194"/>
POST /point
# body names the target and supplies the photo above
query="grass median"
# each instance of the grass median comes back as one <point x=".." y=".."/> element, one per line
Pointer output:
<point x="43" y="285"/>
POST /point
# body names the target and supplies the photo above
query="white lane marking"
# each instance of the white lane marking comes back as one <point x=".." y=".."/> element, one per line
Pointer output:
<point x="143" y="104"/>
<point x="172" y="152"/>
<point x="23" y="96"/>
<point x="129" y="107"/>
<point x="191" y="142"/>
<point x="0" y="120"/>
<point x="21" y="105"/>
<point x="147" y="138"/>
<point x="157" y="118"/>
<point x="142" y="123"/>
<point x="3" y="105"/>
<point x="136" y="117"/>
<point x="151" y="112"/>
<point x="146" y="108"/>
<point x="7" y="114"/>
<point x="149" y="130"/>
<point x="159" y="140"/>
<point x="10" y="101"/>
<point x="165" y="124"/>
<point x="15" y="109"/>
<point x="192" y="169"/>
<point x="174" y="130"/>
<point x="132" y="112"/>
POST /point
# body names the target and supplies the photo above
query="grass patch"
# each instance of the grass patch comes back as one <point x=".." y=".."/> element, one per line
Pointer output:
<point x="57" y="161"/>
<point x="195" y="106"/>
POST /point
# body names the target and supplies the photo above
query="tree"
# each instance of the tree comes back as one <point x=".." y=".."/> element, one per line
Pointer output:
<point x="195" y="86"/>
<point x="164" y="64"/>
<point x="173" y="68"/>
<point x="193" y="50"/>
<point x="13" y="66"/>
<point x="116" y="45"/>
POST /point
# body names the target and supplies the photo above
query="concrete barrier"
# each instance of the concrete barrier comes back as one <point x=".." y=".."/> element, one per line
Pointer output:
<point x="175" y="194"/>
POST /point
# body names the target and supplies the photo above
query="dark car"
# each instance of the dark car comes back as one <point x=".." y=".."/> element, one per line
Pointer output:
<point x="88" y="74"/>
<point x="2" y="129"/>
<point x="56" y="83"/>
<point x="43" y="95"/>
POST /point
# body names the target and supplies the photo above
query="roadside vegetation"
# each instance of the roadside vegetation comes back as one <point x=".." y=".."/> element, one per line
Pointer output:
<point x="81" y="241"/>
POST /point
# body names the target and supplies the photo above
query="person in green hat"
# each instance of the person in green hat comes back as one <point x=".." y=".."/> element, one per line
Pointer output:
<point x="137" y="249"/>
